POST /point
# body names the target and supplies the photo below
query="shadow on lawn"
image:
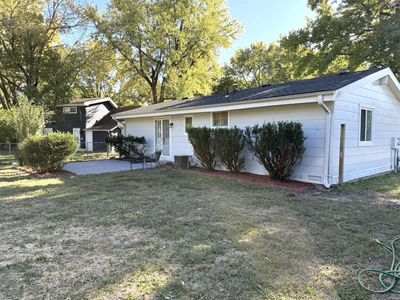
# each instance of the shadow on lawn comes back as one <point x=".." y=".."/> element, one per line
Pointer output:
<point x="169" y="235"/>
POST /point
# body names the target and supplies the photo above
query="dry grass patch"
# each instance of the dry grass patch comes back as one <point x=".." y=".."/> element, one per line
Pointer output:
<point x="162" y="234"/>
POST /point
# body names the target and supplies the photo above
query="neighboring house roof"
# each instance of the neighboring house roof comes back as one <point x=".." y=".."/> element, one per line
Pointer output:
<point x="268" y="92"/>
<point x="89" y="101"/>
<point x="107" y="123"/>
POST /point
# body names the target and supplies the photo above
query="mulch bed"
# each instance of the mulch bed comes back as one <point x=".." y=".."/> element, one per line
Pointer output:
<point x="46" y="175"/>
<point x="258" y="180"/>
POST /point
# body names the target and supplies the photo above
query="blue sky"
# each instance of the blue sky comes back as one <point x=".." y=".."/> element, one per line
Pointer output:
<point x="263" y="20"/>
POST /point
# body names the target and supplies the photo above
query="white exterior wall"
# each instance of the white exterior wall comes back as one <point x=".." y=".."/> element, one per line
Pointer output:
<point x="313" y="119"/>
<point x="361" y="160"/>
<point x="311" y="116"/>
<point x="142" y="127"/>
<point x="180" y="142"/>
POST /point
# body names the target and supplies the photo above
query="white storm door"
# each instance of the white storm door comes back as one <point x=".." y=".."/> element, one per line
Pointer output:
<point x="162" y="137"/>
<point x="77" y="133"/>
<point x="165" y="136"/>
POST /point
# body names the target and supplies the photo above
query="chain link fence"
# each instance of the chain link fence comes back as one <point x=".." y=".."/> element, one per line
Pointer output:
<point x="100" y="149"/>
<point x="96" y="150"/>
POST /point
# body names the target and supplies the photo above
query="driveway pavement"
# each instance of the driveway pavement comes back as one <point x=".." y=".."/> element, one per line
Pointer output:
<point x="101" y="166"/>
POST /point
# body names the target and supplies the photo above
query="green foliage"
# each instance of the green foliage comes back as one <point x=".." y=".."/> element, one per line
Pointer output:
<point x="170" y="45"/>
<point x="33" y="62"/>
<point x="277" y="146"/>
<point x="7" y="132"/>
<point x="106" y="74"/>
<point x="20" y="122"/>
<point x="202" y="140"/>
<point x="128" y="146"/>
<point x="262" y="64"/>
<point x="229" y="145"/>
<point x="351" y="35"/>
<point x="48" y="152"/>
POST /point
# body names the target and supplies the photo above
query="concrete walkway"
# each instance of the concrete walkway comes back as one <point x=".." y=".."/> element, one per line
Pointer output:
<point x="101" y="166"/>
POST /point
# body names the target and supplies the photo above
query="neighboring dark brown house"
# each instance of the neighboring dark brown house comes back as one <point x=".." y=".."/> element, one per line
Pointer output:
<point x="96" y="135"/>
<point x="80" y="114"/>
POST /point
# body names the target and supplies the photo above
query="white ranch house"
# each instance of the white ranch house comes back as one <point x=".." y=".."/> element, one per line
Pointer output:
<point x="362" y="107"/>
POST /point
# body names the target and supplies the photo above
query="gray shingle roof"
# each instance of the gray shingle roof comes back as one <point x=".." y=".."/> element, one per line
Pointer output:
<point x="321" y="84"/>
<point x="107" y="122"/>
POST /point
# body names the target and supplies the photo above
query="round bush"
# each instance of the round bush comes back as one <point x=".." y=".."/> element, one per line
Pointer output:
<point x="48" y="152"/>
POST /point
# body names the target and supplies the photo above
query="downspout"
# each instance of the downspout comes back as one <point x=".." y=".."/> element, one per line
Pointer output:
<point x="327" y="153"/>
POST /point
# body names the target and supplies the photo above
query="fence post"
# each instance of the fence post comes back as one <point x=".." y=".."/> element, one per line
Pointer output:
<point x="9" y="148"/>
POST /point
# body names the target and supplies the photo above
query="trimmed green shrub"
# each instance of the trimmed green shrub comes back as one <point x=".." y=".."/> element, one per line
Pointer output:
<point x="202" y="141"/>
<point x="277" y="146"/>
<point x="48" y="152"/>
<point x="229" y="145"/>
<point x="128" y="146"/>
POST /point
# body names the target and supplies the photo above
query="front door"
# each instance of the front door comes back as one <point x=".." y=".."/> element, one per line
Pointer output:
<point x="77" y="133"/>
<point x="162" y="136"/>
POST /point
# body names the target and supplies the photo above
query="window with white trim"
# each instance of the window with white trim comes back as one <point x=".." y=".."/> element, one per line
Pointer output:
<point x="188" y="123"/>
<point x="366" y="124"/>
<point x="70" y="110"/>
<point x="220" y="119"/>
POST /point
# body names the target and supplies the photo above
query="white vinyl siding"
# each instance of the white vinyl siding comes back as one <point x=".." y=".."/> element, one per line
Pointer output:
<point x="142" y="127"/>
<point x="377" y="157"/>
<point x="313" y="119"/>
<point x="310" y="115"/>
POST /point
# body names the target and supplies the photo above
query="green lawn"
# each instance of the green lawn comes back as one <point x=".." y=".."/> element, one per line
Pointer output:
<point x="173" y="235"/>
<point x="388" y="185"/>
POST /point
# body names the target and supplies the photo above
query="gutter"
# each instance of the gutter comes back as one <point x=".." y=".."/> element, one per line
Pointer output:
<point x="328" y="131"/>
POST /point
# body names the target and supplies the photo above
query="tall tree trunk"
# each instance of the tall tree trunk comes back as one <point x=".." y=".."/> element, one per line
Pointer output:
<point x="154" y="92"/>
<point x="162" y="90"/>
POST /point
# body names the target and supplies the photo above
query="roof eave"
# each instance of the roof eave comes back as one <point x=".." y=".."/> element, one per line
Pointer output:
<point x="90" y="102"/>
<point x="266" y="102"/>
<point x="393" y="83"/>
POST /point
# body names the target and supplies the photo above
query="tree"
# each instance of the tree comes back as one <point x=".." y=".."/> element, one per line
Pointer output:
<point x="262" y="64"/>
<point x="32" y="59"/>
<point x="20" y="122"/>
<point x="351" y="35"/>
<point x="172" y="45"/>
<point x="98" y="78"/>
<point x="107" y="74"/>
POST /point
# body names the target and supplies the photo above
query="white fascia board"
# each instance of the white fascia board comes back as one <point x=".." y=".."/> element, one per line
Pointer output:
<point x="277" y="101"/>
<point x="100" y="101"/>
<point x="90" y="102"/>
<point x="393" y="83"/>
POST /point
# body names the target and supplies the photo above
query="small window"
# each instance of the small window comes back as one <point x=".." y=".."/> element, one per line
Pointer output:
<point x="47" y="130"/>
<point x="188" y="123"/>
<point x="366" y="125"/>
<point x="220" y="119"/>
<point x="70" y="110"/>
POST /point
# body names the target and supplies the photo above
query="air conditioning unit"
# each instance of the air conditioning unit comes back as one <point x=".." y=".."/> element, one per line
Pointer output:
<point x="396" y="142"/>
